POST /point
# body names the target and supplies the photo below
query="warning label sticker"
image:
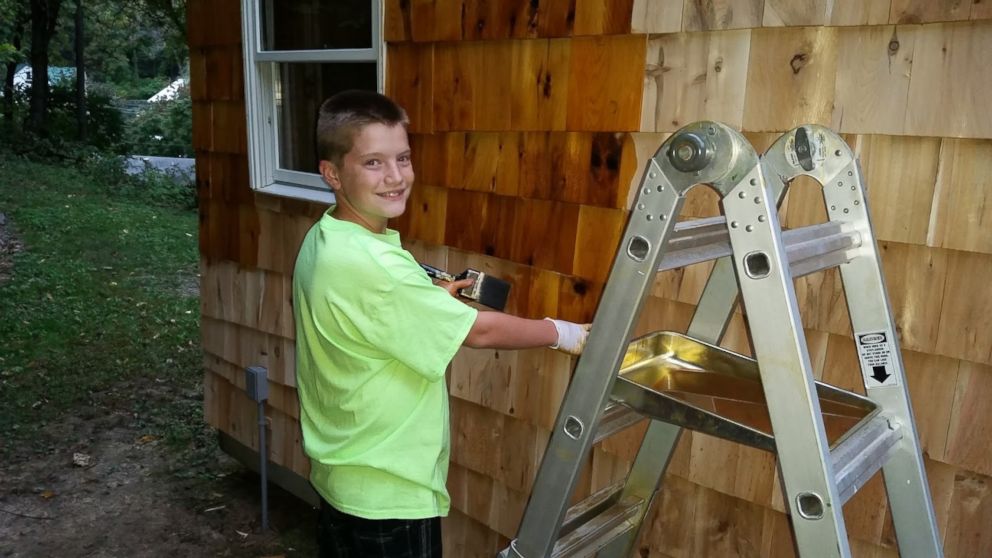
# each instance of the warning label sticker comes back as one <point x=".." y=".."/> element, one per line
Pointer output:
<point x="805" y="150"/>
<point x="877" y="359"/>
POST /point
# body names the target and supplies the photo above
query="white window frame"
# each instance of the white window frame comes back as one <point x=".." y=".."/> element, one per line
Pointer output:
<point x="261" y="67"/>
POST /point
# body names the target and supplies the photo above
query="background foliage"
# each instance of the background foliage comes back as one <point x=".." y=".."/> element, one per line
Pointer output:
<point x="132" y="49"/>
<point x="163" y="128"/>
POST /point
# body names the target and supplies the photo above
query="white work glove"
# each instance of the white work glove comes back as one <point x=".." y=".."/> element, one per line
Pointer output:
<point x="571" y="336"/>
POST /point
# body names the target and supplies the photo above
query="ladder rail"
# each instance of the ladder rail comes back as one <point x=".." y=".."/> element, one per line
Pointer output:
<point x="709" y="322"/>
<point x="867" y="302"/>
<point x="830" y="161"/>
<point x="628" y="286"/>
<point x="768" y="295"/>
<point x="670" y="173"/>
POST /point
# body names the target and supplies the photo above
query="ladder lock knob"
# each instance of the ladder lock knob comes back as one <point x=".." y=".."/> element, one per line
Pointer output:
<point x="690" y="152"/>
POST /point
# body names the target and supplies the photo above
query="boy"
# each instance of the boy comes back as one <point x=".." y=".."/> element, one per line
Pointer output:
<point x="374" y="336"/>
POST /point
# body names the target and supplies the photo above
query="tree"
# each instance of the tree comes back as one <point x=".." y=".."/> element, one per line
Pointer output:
<point x="13" y="18"/>
<point x="170" y="14"/>
<point x="80" y="75"/>
<point x="127" y="47"/>
<point x="44" y="17"/>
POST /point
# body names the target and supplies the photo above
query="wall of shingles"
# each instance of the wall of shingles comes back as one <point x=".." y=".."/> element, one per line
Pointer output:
<point x="530" y="123"/>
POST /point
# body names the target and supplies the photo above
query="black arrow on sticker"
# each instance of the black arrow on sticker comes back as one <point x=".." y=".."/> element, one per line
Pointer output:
<point x="879" y="373"/>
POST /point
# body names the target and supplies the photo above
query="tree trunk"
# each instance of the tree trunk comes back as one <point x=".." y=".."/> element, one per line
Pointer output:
<point x="80" y="75"/>
<point x="8" y="83"/>
<point x="16" y="40"/>
<point x="44" y="16"/>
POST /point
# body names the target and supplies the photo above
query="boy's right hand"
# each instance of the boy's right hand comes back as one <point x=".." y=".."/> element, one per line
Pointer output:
<point x="571" y="336"/>
<point x="454" y="286"/>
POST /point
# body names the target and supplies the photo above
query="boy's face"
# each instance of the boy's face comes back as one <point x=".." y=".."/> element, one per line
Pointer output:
<point x="374" y="179"/>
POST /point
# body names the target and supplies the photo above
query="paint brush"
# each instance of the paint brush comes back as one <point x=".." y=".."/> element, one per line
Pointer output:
<point x="488" y="290"/>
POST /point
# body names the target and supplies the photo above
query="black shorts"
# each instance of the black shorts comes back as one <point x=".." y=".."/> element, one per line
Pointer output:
<point x="340" y="535"/>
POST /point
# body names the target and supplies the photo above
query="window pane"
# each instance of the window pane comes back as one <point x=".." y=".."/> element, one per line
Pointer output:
<point x="315" y="24"/>
<point x="299" y="91"/>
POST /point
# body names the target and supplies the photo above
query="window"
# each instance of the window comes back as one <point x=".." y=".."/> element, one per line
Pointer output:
<point x="297" y="53"/>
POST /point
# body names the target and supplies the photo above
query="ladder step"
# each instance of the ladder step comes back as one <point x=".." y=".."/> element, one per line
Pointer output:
<point x="809" y="249"/>
<point x="594" y="522"/>
<point x="616" y="417"/>
<point x="862" y="452"/>
<point x="676" y="379"/>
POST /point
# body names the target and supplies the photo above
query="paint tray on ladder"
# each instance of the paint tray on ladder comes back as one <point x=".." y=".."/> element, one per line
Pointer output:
<point x="677" y="379"/>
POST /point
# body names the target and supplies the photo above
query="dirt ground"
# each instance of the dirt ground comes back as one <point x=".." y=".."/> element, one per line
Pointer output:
<point x="97" y="484"/>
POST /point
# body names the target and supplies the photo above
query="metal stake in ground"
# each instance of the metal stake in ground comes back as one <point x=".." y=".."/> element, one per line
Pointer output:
<point x="257" y="386"/>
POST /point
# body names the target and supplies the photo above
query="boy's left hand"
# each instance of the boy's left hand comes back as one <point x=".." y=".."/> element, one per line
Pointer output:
<point x="571" y="336"/>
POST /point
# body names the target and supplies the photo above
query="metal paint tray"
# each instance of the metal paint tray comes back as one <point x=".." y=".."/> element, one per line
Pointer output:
<point x="677" y="379"/>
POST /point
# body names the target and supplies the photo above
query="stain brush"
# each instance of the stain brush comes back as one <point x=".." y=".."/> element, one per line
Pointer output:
<point x="488" y="290"/>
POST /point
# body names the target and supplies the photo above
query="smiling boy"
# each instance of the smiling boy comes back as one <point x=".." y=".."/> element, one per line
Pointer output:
<point x="374" y="337"/>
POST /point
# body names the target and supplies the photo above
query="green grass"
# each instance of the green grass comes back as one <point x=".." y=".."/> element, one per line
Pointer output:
<point x="102" y="295"/>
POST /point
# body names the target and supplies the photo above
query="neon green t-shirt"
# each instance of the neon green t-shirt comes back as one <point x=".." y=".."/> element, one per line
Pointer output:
<point x="374" y="337"/>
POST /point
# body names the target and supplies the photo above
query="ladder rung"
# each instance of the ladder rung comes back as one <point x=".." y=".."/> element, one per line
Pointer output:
<point x="808" y="256"/>
<point x="819" y="263"/>
<point x="809" y="248"/>
<point x="594" y="522"/>
<point x="862" y="452"/>
<point x="590" y="507"/>
<point x="698" y="232"/>
<point x="616" y="417"/>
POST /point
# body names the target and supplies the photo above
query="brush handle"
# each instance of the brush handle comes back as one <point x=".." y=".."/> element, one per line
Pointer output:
<point x="436" y="273"/>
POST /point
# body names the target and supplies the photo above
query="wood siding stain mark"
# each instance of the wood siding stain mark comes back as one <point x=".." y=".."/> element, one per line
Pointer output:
<point x="531" y="88"/>
<point x="556" y="18"/>
<point x="791" y="13"/>
<point x="654" y="72"/>
<point x="533" y="17"/>
<point x="604" y="169"/>
<point x="492" y="20"/>
<point x="707" y="15"/>
<point x="798" y="61"/>
<point x="929" y="11"/>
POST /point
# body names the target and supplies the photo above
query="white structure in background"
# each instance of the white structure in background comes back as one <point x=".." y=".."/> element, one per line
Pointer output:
<point x="170" y="91"/>
<point x="56" y="74"/>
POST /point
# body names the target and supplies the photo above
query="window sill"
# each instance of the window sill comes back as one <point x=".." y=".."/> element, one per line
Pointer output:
<point x="297" y="192"/>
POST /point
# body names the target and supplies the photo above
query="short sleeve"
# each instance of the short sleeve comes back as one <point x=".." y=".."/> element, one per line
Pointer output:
<point x="420" y="324"/>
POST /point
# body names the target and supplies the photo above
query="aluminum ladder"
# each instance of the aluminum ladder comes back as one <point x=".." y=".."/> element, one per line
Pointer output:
<point x="617" y="383"/>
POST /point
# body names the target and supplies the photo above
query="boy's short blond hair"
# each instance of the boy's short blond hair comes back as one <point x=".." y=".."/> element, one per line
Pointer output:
<point x="344" y="114"/>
